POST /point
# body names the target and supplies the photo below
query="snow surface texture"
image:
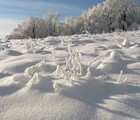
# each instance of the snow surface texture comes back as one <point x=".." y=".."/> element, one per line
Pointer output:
<point x="79" y="77"/>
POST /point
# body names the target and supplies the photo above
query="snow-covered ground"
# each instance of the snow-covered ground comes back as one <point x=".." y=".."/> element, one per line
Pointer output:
<point x="79" y="77"/>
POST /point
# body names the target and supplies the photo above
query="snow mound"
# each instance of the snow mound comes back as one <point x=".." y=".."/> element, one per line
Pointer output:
<point x="41" y="67"/>
<point x="17" y="66"/>
<point x="41" y="83"/>
<point x="114" y="64"/>
<point x="23" y="78"/>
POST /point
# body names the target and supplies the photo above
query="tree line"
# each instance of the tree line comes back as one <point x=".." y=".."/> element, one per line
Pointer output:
<point x="108" y="16"/>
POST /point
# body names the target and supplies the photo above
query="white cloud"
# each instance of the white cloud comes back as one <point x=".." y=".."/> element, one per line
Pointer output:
<point x="7" y="25"/>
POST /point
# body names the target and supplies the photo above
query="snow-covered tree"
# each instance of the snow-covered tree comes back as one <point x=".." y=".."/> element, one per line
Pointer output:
<point x="38" y="28"/>
<point x="32" y="28"/>
<point x="52" y="22"/>
<point x="111" y="15"/>
<point x="73" y="25"/>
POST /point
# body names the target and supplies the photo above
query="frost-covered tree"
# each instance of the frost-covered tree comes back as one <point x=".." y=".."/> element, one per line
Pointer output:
<point x="73" y="25"/>
<point x="38" y="28"/>
<point x="31" y="28"/>
<point x="52" y="22"/>
<point x="111" y="15"/>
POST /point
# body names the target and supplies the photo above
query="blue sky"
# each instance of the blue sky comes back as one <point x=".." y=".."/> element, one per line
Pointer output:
<point x="21" y="9"/>
<point x="13" y="12"/>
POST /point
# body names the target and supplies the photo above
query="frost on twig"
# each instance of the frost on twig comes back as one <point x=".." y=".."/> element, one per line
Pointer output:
<point x="118" y="43"/>
<point x="72" y="69"/>
<point x="88" y="74"/>
<point x="54" y="58"/>
<point x="122" y="78"/>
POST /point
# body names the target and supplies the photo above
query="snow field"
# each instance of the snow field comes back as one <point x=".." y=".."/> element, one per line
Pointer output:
<point x="79" y="77"/>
